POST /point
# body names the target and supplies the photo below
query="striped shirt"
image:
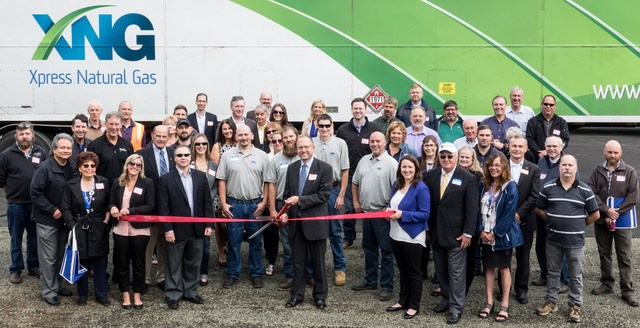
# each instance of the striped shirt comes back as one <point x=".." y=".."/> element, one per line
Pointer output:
<point x="567" y="211"/>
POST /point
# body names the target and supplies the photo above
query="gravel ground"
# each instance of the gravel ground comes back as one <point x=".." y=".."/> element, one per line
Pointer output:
<point x="22" y="306"/>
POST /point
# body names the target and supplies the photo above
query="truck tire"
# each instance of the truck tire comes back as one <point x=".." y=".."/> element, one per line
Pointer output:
<point x="41" y="140"/>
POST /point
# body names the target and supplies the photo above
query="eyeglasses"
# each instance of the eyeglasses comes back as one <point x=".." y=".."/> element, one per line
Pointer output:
<point x="183" y="155"/>
<point x="276" y="141"/>
<point x="278" y="112"/>
<point x="200" y="144"/>
<point x="324" y="126"/>
<point x="446" y="156"/>
<point x="134" y="164"/>
<point x="548" y="104"/>
<point x="86" y="166"/>
<point x="271" y="131"/>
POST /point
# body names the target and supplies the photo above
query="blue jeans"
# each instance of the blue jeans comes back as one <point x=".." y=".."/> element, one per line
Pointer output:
<point x="244" y="209"/>
<point x="335" y="234"/>
<point x="19" y="220"/>
<point x="376" y="243"/>
<point x="287" y="261"/>
<point x="349" y="226"/>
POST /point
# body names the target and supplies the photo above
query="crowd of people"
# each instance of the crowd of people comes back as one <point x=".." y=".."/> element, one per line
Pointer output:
<point x="442" y="188"/>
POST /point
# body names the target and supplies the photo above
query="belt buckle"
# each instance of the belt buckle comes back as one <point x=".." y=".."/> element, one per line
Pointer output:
<point x="85" y="227"/>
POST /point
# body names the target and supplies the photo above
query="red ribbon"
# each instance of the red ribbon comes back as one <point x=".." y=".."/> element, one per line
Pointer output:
<point x="186" y="219"/>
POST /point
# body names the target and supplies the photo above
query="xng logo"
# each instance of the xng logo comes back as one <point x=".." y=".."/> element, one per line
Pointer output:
<point x="111" y="36"/>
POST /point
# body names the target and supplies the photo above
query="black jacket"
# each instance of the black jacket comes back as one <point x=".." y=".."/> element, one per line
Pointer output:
<point x="142" y="201"/>
<point x="47" y="190"/>
<point x="358" y="143"/>
<point x="536" y="136"/>
<point x="16" y="171"/>
<point x="91" y="232"/>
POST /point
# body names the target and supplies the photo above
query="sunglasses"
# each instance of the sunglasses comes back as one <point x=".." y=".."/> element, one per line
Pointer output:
<point x="134" y="164"/>
<point x="278" y="112"/>
<point x="446" y="156"/>
<point x="183" y="155"/>
<point x="200" y="144"/>
<point x="86" y="166"/>
<point x="24" y="126"/>
<point x="548" y="104"/>
<point x="276" y="141"/>
<point x="271" y="131"/>
<point x="324" y="126"/>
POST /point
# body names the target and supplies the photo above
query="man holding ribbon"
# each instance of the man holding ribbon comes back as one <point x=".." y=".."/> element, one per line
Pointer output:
<point x="307" y="190"/>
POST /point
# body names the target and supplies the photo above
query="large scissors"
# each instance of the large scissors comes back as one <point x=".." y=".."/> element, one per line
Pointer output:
<point x="272" y="220"/>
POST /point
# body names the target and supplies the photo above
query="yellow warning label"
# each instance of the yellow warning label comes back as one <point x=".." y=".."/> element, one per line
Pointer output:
<point x="447" y="88"/>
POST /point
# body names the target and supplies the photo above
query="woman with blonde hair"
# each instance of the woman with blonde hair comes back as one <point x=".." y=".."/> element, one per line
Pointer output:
<point x="310" y="126"/>
<point x="269" y="130"/>
<point x="468" y="160"/>
<point x="396" y="147"/>
<point x="170" y="122"/>
<point x="201" y="161"/>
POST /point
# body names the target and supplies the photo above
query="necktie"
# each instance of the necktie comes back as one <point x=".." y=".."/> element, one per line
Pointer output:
<point x="303" y="178"/>
<point x="443" y="183"/>
<point x="163" y="164"/>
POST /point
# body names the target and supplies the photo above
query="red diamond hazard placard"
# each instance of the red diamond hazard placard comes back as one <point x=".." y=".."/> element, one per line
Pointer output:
<point x="375" y="98"/>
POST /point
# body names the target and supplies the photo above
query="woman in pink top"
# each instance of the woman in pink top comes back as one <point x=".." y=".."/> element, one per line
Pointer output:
<point x="131" y="194"/>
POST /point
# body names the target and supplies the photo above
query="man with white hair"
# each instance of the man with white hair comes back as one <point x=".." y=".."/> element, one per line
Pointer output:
<point x="517" y="111"/>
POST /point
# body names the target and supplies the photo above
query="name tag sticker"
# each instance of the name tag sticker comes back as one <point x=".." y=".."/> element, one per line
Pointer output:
<point x="284" y="165"/>
<point x="556" y="132"/>
<point x="524" y="171"/>
<point x="364" y="141"/>
<point x="456" y="182"/>
<point x="234" y="158"/>
<point x="137" y="190"/>
<point x="212" y="172"/>
<point x="35" y="160"/>
<point x="621" y="178"/>
<point x="543" y="175"/>
<point x="313" y="177"/>
<point x="100" y="186"/>
<point x="209" y="123"/>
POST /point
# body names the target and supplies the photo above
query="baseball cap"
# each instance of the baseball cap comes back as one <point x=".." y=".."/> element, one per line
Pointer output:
<point x="183" y="121"/>
<point x="448" y="147"/>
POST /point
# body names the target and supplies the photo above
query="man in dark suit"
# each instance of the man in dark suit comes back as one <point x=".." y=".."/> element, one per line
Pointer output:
<point x="237" y="115"/>
<point x="454" y="208"/>
<point x="307" y="190"/>
<point x="527" y="176"/>
<point x="203" y="121"/>
<point x="153" y="157"/>
<point x="184" y="192"/>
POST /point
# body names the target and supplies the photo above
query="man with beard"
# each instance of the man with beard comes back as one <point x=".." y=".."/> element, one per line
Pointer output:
<point x="46" y="193"/>
<point x="111" y="148"/>
<point x="80" y="141"/>
<point x="388" y="114"/>
<point x="243" y="194"/>
<point x="615" y="178"/>
<point x="418" y="130"/>
<point x="184" y="131"/>
<point x="17" y="165"/>
<point x="334" y="151"/>
<point x="484" y="149"/>
<point x="275" y="177"/>
<point x="453" y="127"/>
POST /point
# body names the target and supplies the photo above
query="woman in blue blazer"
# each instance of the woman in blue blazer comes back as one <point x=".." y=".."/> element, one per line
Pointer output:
<point x="499" y="231"/>
<point x="410" y="199"/>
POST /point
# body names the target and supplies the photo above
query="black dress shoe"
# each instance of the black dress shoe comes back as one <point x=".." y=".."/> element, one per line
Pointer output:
<point x="395" y="309"/>
<point x="64" y="292"/>
<point x="195" y="300"/>
<point x="82" y="300"/>
<point x="320" y="304"/>
<point x="104" y="301"/>
<point x="173" y="305"/>
<point x="145" y="289"/>
<point x="523" y="298"/>
<point x="293" y="303"/>
<point x="453" y="318"/>
<point x="441" y="307"/>
<point x="52" y="301"/>
<point x="409" y="316"/>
